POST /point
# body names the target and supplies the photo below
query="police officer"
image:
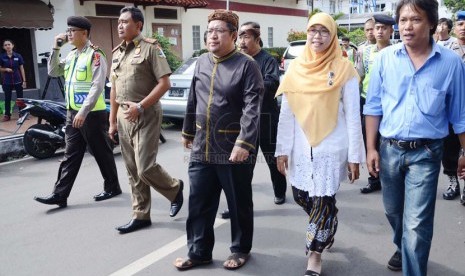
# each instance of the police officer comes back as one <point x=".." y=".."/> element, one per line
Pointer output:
<point x="383" y="30"/>
<point x="84" y="70"/>
<point x="140" y="77"/>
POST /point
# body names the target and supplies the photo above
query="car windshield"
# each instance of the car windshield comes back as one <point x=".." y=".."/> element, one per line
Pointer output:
<point x="186" y="68"/>
<point x="295" y="50"/>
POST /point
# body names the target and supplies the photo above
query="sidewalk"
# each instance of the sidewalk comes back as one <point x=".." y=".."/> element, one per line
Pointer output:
<point x="7" y="128"/>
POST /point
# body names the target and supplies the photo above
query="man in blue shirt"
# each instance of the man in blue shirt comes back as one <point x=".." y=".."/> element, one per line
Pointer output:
<point x="411" y="109"/>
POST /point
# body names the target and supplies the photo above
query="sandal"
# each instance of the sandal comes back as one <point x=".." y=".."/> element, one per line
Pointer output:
<point x="238" y="258"/>
<point x="311" y="273"/>
<point x="188" y="263"/>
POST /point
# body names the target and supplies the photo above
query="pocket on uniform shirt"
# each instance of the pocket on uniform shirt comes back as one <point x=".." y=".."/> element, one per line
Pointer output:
<point x="138" y="67"/>
<point x="431" y="101"/>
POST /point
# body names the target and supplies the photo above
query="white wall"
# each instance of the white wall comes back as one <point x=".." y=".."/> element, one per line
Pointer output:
<point x="44" y="39"/>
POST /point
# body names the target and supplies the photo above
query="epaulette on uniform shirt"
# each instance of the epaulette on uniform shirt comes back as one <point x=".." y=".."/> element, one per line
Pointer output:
<point x="150" y="40"/>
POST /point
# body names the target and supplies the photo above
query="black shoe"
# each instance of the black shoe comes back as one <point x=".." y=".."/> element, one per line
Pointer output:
<point x="373" y="185"/>
<point x="106" y="195"/>
<point x="133" y="225"/>
<point x="453" y="190"/>
<point x="52" y="199"/>
<point x="178" y="201"/>
<point x="395" y="263"/>
<point x="278" y="200"/>
<point x="225" y="214"/>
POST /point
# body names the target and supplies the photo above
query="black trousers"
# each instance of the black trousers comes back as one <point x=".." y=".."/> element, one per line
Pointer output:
<point x="267" y="143"/>
<point x="451" y="153"/>
<point x="206" y="183"/>
<point x="94" y="134"/>
<point x="371" y="179"/>
<point x="8" y="90"/>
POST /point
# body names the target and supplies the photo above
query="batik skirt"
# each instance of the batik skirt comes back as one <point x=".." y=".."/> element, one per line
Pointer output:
<point x="322" y="222"/>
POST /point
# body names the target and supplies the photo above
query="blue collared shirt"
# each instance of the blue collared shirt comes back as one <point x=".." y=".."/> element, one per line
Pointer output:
<point x="417" y="104"/>
<point x="14" y="63"/>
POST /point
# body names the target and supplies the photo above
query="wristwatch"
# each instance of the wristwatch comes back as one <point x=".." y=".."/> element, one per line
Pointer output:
<point x="462" y="153"/>
<point x="140" y="108"/>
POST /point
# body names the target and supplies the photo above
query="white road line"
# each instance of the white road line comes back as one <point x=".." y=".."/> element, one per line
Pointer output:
<point x="158" y="254"/>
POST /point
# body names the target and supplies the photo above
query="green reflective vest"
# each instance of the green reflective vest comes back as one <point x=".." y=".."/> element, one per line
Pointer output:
<point x="78" y="80"/>
<point x="369" y="53"/>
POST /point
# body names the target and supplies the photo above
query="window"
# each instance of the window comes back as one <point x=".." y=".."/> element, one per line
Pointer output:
<point x="196" y="37"/>
<point x="165" y="13"/>
<point x="270" y="36"/>
<point x="332" y="6"/>
<point x="107" y="10"/>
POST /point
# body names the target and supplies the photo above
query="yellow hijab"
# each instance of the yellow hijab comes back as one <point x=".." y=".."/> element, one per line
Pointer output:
<point x="313" y="84"/>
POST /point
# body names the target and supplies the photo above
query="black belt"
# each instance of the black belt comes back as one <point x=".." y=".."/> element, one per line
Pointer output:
<point x="411" y="144"/>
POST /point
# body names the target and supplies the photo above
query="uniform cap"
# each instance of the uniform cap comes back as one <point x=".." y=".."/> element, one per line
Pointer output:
<point x="79" y="22"/>
<point x="384" y="19"/>
<point x="226" y="16"/>
<point x="460" y="15"/>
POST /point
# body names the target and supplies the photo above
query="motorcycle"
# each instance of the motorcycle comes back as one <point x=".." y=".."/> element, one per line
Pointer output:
<point x="42" y="140"/>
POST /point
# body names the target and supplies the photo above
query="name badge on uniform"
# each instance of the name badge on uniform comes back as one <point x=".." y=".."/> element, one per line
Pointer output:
<point x="16" y="59"/>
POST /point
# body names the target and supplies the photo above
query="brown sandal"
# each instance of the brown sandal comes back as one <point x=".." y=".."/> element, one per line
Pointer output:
<point x="239" y="259"/>
<point x="188" y="263"/>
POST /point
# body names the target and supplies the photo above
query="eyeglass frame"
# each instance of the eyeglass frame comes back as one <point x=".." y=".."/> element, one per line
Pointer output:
<point x="210" y="31"/>
<point x="320" y="32"/>
<point x="73" y="30"/>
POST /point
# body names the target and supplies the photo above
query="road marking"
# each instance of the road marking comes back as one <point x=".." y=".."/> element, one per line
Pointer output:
<point x="158" y="254"/>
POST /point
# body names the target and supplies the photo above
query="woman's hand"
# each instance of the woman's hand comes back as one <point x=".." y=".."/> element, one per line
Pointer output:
<point x="354" y="172"/>
<point x="282" y="163"/>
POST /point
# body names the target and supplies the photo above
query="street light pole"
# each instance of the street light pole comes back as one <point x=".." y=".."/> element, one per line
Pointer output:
<point x="227" y="5"/>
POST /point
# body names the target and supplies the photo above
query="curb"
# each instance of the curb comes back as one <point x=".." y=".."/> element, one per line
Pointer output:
<point x="11" y="147"/>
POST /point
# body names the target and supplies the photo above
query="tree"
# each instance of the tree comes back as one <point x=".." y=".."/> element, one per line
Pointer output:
<point x="454" y="5"/>
<point x="173" y="60"/>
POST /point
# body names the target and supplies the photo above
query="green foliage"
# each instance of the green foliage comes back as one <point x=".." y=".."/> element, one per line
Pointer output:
<point x="356" y="36"/>
<point x="294" y="35"/>
<point x="173" y="60"/>
<point x="276" y="52"/>
<point x="198" y="53"/>
<point x="454" y="5"/>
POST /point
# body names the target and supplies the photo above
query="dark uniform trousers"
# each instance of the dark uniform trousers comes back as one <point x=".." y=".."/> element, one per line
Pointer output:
<point x="206" y="182"/>
<point x="94" y="134"/>
<point x="267" y="143"/>
<point x="451" y="153"/>
<point x="139" y="147"/>
<point x="371" y="179"/>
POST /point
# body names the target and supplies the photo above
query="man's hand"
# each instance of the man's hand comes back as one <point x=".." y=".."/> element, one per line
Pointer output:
<point x="238" y="154"/>
<point x="78" y="121"/>
<point x="187" y="143"/>
<point x="282" y="163"/>
<point x="130" y="111"/>
<point x="373" y="162"/>
<point x="112" y="130"/>
<point x="8" y="70"/>
<point x="461" y="167"/>
<point x="354" y="172"/>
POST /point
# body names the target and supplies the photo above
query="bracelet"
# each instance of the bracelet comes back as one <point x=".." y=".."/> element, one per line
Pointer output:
<point x="462" y="153"/>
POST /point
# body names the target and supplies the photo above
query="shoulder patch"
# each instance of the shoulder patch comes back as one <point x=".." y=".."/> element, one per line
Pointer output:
<point x="117" y="47"/>
<point x="150" y="40"/>
<point x="95" y="47"/>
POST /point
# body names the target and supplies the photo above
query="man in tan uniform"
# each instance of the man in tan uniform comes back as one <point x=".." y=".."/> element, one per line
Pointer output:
<point x="139" y="76"/>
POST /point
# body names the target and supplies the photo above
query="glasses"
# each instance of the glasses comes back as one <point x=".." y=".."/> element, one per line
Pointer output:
<point x="217" y="31"/>
<point x="322" y="32"/>
<point x="73" y="30"/>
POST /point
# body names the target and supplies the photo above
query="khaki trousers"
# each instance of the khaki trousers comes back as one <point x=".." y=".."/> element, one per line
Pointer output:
<point x="139" y="147"/>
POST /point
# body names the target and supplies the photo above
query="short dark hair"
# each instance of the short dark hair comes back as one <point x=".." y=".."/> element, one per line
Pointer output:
<point x="345" y="38"/>
<point x="136" y="14"/>
<point x="256" y="26"/>
<point x="429" y="6"/>
<point x="448" y="22"/>
<point x="9" y="40"/>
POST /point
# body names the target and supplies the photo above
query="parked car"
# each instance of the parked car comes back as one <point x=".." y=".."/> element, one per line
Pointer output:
<point x="294" y="49"/>
<point x="175" y="99"/>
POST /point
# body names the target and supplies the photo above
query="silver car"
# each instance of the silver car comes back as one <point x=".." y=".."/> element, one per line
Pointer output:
<point x="175" y="99"/>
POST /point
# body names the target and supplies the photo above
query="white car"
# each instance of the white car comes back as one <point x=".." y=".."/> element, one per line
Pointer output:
<point x="175" y="99"/>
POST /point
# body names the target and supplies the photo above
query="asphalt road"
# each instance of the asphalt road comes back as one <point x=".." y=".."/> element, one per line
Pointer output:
<point x="38" y="239"/>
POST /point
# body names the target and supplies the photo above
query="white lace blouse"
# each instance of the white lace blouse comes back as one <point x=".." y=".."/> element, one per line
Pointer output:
<point x="320" y="170"/>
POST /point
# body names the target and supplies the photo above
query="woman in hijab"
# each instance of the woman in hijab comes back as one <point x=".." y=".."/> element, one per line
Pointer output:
<point x="319" y="140"/>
